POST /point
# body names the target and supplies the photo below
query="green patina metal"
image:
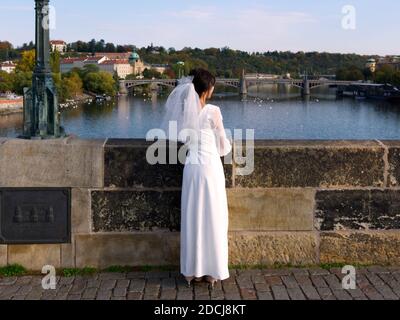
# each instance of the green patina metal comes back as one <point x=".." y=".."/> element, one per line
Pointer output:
<point x="41" y="111"/>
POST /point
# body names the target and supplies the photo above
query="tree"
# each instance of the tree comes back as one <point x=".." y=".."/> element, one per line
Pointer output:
<point x="72" y="86"/>
<point x="110" y="47"/>
<point x="385" y="74"/>
<point x="150" y="74"/>
<point x="352" y="73"/>
<point x="55" y="62"/>
<point x="27" y="62"/>
<point x="6" y="81"/>
<point x="22" y="80"/>
<point x="100" y="83"/>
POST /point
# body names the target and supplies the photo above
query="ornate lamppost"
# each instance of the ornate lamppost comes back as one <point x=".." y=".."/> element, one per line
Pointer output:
<point x="41" y="112"/>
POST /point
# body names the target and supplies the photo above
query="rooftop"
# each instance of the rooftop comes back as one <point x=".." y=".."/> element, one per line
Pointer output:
<point x="57" y="42"/>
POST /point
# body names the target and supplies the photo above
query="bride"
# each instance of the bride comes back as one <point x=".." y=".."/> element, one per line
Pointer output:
<point x="204" y="208"/>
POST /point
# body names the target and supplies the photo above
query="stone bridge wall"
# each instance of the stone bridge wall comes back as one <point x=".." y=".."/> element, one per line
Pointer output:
<point x="307" y="202"/>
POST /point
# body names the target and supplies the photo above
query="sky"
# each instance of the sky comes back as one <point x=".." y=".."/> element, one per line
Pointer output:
<point x="249" y="25"/>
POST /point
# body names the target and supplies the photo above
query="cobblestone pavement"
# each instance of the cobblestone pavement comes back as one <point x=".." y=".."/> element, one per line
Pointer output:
<point x="373" y="283"/>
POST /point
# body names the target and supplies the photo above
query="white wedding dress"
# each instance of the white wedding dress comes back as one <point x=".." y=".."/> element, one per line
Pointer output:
<point x="204" y="207"/>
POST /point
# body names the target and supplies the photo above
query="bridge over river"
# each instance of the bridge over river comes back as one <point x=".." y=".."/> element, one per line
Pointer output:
<point x="305" y="84"/>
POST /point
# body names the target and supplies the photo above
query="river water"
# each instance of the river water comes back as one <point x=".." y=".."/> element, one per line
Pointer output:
<point x="273" y="113"/>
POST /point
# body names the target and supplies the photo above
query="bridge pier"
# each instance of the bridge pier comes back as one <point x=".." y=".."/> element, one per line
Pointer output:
<point x="122" y="88"/>
<point x="153" y="87"/>
<point x="243" y="84"/>
<point x="306" y="90"/>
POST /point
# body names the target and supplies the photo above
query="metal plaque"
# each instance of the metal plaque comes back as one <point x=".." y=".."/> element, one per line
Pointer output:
<point x="35" y="215"/>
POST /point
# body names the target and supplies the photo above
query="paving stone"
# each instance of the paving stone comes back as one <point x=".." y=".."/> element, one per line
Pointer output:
<point x="217" y="294"/>
<point x="137" y="285"/>
<point x="168" y="283"/>
<point x="248" y="294"/>
<point x="356" y="293"/>
<point x="333" y="281"/>
<point x="23" y="280"/>
<point x="202" y="297"/>
<point x="24" y="289"/>
<point x="250" y="272"/>
<point x="89" y="293"/>
<point x="378" y="269"/>
<point x="7" y="281"/>
<point x="262" y="287"/>
<point x="290" y="282"/>
<point x="374" y="279"/>
<point x="108" y="284"/>
<point x="303" y="280"/>
<point x="296" y="294"/>
<point x="93" y="283"/>
<point x="258" y="278"/>
<point x="318" y="272"/>
<point x="386" y="292"/>
<point x="119" y="292"/>
<point x="326" y="293"/>
<point x="104" y="295"/>
<point x="372" y="293"/>
<point x="244" y="281"/>
<point x="78" y="287"/>
<point x="66" y="280"/>
<point x="233" y="296"/>
<point x="276" y="272"/>
<point x="184" y="295"/>
<point x="136" y="275"/>
<point x="264" y="295"/>
<point x="279" y="292"/>
<point x="273" y="280"/>
<point x="310" y="292"/>
<point x="112" y="276"/>
<point x="342" y="294"/>
<point x="157" y="274"/>
<point x="299" y="271"/>
<point x="122" y="283"/>
<point x="134" y="296"/>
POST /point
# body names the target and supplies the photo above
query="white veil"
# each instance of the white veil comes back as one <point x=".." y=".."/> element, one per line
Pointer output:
<point x="181" y="120"/>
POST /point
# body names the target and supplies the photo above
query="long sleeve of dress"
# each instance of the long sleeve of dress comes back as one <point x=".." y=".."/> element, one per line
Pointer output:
<point x="224" y="146"/>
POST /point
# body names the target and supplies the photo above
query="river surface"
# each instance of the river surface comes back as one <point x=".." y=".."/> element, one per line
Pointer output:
<point x="273" y="113"/>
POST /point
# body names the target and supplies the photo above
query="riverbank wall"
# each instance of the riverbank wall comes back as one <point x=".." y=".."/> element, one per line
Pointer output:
<point x="11" y="106"/>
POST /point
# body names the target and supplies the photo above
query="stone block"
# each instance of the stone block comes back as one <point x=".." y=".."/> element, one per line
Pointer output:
<point x="80" y="211"/>
<point x="271" y="209"/>
<point x="34" y="257"/>
<point x="68" y="162"/>
<point x="132" y="249"/>
<point x="393" y="162"/>
<point x="269" y="248"/>
<point x="85" y="163"/>
<point x="323" y="164"/>
<point x="126" y="166"/>
<point x="362" y="247"/>
<point x="3" y="255"/>
<point x="122" y="210"/>
<point x="357" y="209"/>
<point x="68" y="254"/>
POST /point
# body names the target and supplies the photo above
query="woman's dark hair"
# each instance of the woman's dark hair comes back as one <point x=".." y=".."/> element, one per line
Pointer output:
<point x="203" y="80"/>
